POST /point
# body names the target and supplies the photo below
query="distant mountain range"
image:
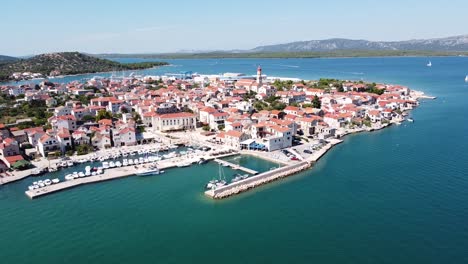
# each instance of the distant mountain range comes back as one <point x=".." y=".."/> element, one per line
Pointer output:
<point x="450" y="44"/>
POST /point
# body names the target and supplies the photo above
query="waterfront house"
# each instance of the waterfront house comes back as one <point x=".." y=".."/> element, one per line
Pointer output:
<point x="46" y="144"/>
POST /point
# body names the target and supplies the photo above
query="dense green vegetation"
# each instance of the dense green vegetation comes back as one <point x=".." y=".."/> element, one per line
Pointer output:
<point x="103" y="114"/>
<point x="67" y="63"/>
<point x="36" y="110"/>
<point x="270" y="103"/>
<point x="331" y="54"/>
<point x="283" y="85"/>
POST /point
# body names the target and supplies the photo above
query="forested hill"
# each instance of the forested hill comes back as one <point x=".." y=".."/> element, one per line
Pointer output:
<point x="66" y="63"/>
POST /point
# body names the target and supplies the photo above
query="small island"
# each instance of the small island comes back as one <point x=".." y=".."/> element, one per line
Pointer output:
<point x="64" y="63"/>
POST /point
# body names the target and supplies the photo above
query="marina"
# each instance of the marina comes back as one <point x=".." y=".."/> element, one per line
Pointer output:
<point x="110" y="172"/>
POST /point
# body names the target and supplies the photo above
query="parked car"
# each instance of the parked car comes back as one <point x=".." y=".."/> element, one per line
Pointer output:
<point x="307" y="151"/>
<point x="294" y="158"/>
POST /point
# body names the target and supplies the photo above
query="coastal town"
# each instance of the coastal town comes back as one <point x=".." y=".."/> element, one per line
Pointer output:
<point x="286" y="120"/>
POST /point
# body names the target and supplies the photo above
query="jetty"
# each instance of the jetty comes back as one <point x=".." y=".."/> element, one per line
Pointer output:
<point x="108" y="174"/>
<point x="236" y="166"/>
<point x="272" y="175"/>
<point x="257" y="180"/>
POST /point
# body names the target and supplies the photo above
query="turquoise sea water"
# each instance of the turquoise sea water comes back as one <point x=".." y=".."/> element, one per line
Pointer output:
<point x="399" y="195"/>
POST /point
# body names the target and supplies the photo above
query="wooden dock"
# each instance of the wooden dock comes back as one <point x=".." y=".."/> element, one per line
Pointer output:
<point x="236" y="166"/>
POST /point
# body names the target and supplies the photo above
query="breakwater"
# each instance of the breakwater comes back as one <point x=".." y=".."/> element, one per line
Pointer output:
<point x="255" y="181"/>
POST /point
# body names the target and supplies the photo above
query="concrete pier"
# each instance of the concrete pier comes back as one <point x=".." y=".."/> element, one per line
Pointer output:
<point x="117" y="173"/>
<point x="254" y="181"/>
<point x="236" y="166"/>
<point x="109" y="174"/>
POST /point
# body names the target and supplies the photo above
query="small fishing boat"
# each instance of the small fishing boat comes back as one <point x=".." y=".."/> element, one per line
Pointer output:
<point x="429" y="64"/>
<point x="466" y="78"/>
<point x="410" y="120"/>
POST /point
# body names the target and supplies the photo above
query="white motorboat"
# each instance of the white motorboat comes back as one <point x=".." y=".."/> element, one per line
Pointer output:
<point x="184" y="164"/>
<point x="75" y="175"/>
<point x="31" y="187"/>
<point x="69" y="163"/>
<point x="125" y="162"/>
<point x="111" y="164"/>
<point x="466" y="78"/>
<point x="410" y="120"/>
<point x="69" y="177"/>
<point x="130" y="162"/>
<point x="81" y="174"/>
<point x="93" y="173"/>
<point x="118" y="164"/>
<point x="105" y="165"/>
<point x="47" y="182"/>
<point x="136" y="161"/>
<point x="87" y="173"/>
<point x="99" y="171"/>
<point x="41" y="184"/>
<point x="149" y="171"/>
<point x="429" y="64"/>
<point x="55" y="181"/>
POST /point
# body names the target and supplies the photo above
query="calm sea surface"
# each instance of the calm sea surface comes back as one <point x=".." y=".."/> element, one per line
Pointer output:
<point x="395" y="196"/>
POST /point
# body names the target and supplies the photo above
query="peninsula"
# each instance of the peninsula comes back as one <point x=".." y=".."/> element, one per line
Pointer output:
<point x="64" y="63"/>
<point x="289" y="121"/>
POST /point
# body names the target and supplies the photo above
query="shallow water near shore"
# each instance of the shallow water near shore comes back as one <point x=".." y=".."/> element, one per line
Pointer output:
<point x="398" y="195"/>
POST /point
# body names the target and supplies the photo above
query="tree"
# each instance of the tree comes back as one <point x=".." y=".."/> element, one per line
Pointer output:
<point x="206" y="128"/>
<point x="137" y="118"/>
<point x="221" y="127"/>
<point x="340" y="88"/>
<point x="316" y="102"/>
<point x="103" y="114"/>
<point x="88" y="118"/>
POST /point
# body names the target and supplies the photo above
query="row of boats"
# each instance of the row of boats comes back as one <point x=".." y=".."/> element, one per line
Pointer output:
<point x="43" y="183"/>
<point x="221" y="181"/>
<point x="88" y="172"/>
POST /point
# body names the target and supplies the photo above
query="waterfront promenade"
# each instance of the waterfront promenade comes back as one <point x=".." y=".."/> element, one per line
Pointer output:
<point x="117" y="173"/>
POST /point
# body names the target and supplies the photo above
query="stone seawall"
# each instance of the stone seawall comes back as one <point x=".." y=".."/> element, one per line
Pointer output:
<point x="254" y="181"/>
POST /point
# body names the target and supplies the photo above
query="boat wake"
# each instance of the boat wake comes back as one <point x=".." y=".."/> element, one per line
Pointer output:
<point x="288" y="66"/>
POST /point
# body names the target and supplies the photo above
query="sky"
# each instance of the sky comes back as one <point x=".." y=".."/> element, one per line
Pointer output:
<point x="152" y="26"/>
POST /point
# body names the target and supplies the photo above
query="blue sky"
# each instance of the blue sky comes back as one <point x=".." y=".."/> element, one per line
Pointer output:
<point x="139" y="26"/>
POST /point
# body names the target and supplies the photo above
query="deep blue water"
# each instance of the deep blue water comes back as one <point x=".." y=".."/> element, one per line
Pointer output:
<point x="399" y="195"/>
